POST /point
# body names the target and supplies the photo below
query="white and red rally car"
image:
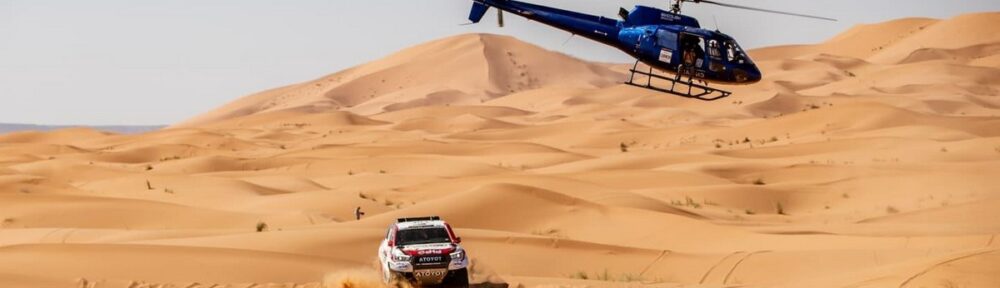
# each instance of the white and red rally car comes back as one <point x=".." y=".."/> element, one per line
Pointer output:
<point x="423" y="251"/>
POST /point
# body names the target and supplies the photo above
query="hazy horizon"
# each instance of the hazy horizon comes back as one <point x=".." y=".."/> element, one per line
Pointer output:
<point x="121" y="129"/>
<point x="119" y="62"/>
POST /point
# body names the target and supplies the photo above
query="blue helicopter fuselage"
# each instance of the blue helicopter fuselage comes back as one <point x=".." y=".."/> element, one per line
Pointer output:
<point x="661" y="39"/>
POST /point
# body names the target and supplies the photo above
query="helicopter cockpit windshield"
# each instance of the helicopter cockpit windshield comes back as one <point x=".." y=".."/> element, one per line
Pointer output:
<point x="734" y="53"/>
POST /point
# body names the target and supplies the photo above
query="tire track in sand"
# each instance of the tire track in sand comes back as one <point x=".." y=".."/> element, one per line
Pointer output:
<point x="723" y="260"/>
<point x="946" y="262"/>
<point x="657" y="260"/>
<point x="737" y="265"/>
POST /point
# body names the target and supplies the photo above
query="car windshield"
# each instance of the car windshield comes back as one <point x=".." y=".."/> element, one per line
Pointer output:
<point x="422" y="236"/>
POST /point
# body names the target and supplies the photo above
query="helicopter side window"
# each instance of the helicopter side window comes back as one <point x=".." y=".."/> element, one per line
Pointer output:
<point x="666" y="39"/>
<point x="713" y="49"/>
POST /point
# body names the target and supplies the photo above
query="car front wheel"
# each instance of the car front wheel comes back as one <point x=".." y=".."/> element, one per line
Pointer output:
<point x="457" y="279"/>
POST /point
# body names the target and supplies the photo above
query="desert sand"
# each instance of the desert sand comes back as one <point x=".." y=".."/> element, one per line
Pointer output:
<point x="869" y="160"/>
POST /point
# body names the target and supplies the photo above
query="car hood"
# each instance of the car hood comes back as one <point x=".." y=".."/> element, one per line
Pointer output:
<point x="429" y="249"/>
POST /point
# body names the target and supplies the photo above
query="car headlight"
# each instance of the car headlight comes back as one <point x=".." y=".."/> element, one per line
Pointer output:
<point x="399" y="256"/>
<point x="458" y="255"/>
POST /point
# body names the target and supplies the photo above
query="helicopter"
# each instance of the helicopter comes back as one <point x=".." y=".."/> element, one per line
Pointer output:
<point x="663" y="40"/>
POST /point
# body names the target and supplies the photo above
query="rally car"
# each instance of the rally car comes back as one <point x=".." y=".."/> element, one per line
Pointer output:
<point x="425" y="252"/>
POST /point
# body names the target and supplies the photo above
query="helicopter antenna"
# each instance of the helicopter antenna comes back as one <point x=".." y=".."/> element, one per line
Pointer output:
<point x="567" y="39"/>
<point x="716" y="19"/>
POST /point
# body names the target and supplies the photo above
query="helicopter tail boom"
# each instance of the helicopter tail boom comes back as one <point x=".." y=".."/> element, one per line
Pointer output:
<point x="601" y="29"/>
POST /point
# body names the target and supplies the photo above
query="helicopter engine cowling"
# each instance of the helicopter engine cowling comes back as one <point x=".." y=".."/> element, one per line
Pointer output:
<point x="643" y="15"/>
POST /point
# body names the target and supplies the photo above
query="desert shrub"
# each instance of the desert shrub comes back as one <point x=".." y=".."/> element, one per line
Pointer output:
<point x="546" y="232"/>
<point x="688" y="201"/>
<point x="604" y="276"/>
<point x="628" y="277"/>
<point x="607" y="276"/>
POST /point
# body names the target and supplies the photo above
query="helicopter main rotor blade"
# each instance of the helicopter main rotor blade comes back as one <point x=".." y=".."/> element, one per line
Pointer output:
<point x="761" y="10"/>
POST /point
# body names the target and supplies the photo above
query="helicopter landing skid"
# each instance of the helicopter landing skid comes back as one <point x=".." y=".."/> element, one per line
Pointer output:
<point x="692" y="90"/>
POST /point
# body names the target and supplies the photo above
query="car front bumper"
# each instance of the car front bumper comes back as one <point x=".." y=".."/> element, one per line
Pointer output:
<point x="408" y="267"/>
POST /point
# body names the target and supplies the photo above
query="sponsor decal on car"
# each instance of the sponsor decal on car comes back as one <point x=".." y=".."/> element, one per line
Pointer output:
<point x="431" y="251"/>
<point x="430" y="273"/>
<point x="430" y="259"/>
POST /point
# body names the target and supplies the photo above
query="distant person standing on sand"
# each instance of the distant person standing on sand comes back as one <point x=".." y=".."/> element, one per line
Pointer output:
<point x="358" y="213"/>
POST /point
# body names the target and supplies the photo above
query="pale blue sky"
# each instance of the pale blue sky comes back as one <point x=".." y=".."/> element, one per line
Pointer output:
<point x="162" y="61"/>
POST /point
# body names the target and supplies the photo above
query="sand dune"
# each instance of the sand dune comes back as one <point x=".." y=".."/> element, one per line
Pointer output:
<point x="868" y="160"/>
<point x="464" y="69"/>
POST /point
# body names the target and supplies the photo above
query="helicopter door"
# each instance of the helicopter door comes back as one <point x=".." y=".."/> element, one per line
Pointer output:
<point x="693" y="50"/>
<point x="666" y="41"/>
